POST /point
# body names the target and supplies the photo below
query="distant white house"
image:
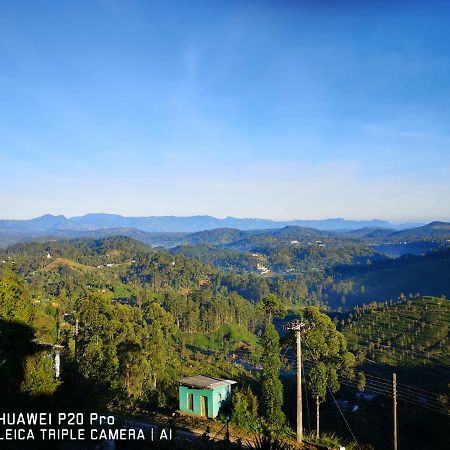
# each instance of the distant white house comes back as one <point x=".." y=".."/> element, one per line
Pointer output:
<point x="49" y="256"/>
<point x="262" y="269"/>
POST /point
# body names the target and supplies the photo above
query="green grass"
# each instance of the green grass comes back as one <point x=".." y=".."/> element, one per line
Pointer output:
<point x="227" y="336"/>
<point x="121" y="291"/>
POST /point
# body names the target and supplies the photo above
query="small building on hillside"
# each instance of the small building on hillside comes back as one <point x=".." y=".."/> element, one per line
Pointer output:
<point x="203" y="396"/>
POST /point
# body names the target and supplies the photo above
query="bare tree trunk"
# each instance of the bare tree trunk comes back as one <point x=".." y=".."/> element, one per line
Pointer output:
<point x="317" y="416"/>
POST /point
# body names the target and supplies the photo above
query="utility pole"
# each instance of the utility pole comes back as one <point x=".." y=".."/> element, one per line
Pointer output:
<point x="57" y="360"/>
<point x="297" y="326"/>
<point x="394" y="399"/>
<point x="298" y="338"/>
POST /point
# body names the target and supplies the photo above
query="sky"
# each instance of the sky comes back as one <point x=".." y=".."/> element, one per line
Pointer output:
<point x="272" y="109"/>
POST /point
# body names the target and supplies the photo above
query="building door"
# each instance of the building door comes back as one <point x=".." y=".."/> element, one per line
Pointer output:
<point x="204" y="406"/>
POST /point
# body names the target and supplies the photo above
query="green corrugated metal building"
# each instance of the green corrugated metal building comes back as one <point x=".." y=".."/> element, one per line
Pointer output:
<point x="203" y="396"/>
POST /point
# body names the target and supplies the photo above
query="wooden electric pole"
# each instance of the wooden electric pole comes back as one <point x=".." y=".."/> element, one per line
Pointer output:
<point x="297" y="326"/>
<point x="394" y="399"/>
<point x="299" y="387"/>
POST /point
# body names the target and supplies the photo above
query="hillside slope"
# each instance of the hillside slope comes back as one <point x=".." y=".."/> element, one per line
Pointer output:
<point x="433" y="230"/>
<point x="406" y="332"/>
<point x="388" y="279"/>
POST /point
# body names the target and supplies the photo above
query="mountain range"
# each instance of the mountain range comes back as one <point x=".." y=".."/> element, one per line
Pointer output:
<point x="171" y="231"/>
<point x="95" y="221"/>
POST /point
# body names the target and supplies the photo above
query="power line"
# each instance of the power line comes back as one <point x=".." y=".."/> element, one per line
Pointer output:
<point x="377" y="382"/>
<point x="306" y="394"/>
<point x="404" y="394"/>
<point x="373" y="381"/>
<point x="419" y="389"/>
<point x="384" y="386"/>
<point x="342" y="414"/>
<point x="387" y="393"/>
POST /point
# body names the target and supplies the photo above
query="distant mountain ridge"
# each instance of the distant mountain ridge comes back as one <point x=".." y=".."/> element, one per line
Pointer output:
<point x="96" y="221"/>
<point x="432" y="230"/>
<point x="99" y="226"/>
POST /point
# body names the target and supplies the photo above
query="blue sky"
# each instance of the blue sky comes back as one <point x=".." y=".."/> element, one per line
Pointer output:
<point x="283" y="109"/>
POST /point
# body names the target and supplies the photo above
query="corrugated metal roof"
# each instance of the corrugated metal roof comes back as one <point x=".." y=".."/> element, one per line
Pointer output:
<point x="200" y="381"/>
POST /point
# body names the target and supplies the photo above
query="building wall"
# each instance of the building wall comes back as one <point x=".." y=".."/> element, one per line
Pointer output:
<point x="214" y="396"/>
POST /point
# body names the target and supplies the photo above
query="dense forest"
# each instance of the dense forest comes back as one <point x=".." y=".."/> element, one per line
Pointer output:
<point x="127" y="320"/>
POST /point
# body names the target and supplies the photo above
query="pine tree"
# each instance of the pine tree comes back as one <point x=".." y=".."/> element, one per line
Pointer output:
<point x="271" y="387"/>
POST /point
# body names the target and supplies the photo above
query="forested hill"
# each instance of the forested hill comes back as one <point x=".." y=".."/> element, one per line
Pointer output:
<point x="387" y="279"/>
<point x="273" y="234"/>
<point x="340" y="273"/>
<point x="126" y="270"/>
<point x="433" y="230"/>
<point x="108" y="260"/>
<point x="197" y="297"/>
